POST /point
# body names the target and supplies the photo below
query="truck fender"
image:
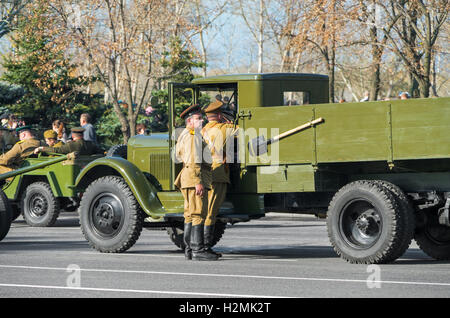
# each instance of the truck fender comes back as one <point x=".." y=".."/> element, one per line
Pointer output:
<point x="143" y="190"/>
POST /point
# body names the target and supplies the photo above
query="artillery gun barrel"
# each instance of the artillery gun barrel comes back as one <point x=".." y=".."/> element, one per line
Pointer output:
<point x="36" y="166"/>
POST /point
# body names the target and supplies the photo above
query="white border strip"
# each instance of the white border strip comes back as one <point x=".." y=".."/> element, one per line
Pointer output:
<point x="230" y="276"/>
<point x="136" y="291"/>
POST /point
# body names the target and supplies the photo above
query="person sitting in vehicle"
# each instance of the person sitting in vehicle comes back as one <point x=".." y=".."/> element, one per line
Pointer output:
<point x="78" y="144"/>
<point x="58" y="127"/>
<point x="51" y="138"/>
<point x="7" y="139"/>
<point x="20" y="151"/>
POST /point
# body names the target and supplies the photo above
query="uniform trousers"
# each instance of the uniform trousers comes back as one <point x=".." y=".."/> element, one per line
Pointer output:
<point x="195" y="206"/>
<point x="216" y="196"/>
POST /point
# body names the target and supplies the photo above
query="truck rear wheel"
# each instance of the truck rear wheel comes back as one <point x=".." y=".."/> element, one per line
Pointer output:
<point x="110" y="217"/>
<point x="176" y="233"/>
<point x="39" y="206"/>
<point x="433" y="238"/>
<point x="367" y="225"/>
<point x="5" y="215"/>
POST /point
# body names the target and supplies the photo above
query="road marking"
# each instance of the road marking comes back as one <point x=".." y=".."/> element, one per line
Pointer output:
<point x="137" y="291"/>
<point x="182" y="256"/>
<point x="229" y="275"/>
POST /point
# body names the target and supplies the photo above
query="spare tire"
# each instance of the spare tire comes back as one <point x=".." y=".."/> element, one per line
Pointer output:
<point x="118" y="151"/>
<point x="5" y="215"/>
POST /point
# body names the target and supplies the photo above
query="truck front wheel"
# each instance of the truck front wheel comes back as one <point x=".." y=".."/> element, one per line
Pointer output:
<point x="433" y="238"/>
<point x="39" y="206"/>
<point x="367" y="224"/>
<point x="110" y="217"/>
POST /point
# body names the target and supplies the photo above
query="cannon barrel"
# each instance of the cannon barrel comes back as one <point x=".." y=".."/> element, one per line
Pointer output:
<point x="46" y="163"/>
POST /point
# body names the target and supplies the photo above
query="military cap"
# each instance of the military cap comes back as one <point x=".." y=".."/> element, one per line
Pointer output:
<point x="214" y="107"/>
<point x="50" y="134"/>
<point x="191" y="110"/>
<point x="229" y="114"/>
<point x="77" y="130"/>
<point x="22" y="128"/>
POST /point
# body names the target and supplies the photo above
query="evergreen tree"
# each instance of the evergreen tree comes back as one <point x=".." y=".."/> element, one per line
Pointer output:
<point x="38" y="64"/>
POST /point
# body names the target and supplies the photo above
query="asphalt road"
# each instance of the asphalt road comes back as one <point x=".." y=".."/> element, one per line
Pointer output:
<point x="278" y="256"/>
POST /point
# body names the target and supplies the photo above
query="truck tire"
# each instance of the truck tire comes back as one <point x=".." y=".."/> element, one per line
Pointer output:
<point x="176" y="233"/>
<point x="118" y="151"/>
<point x="110" y="217"/>
<point x="39" y="206"/>
<point x="408" y="213"/>
<point x="366" y="224"/>
<point x="433" y="238"/>
<point x="5" y="215"/>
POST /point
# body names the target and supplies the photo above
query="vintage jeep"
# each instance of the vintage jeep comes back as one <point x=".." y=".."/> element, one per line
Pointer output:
<point x="379" y="170"/>
<point x="43" y="186"/>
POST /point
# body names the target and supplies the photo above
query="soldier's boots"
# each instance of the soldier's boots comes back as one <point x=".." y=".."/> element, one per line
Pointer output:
<point x="187" y="241"/>
<point x="197" y="244"/>
<point x="209" y="239"/>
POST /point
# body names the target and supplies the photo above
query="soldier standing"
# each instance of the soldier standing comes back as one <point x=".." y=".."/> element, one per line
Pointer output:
<point x="216" y="132"/>
<point x="20" y="151"/>
<point x="194" y="181"/>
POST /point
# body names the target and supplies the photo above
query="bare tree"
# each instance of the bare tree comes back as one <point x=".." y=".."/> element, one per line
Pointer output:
<point x="255" y="21"/>
<point x="416" y="33"/>
<point x="9" y="9"/>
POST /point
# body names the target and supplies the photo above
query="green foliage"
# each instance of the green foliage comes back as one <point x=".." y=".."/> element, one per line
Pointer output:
<point x="108" y="128"/>
<point x="38" y="65"/>
<point x="179" y="62"/>
<point x="10" y="94"/>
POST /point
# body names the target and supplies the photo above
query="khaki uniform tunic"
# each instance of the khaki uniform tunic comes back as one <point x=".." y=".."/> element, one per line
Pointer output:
<point x="81" y="146"/>
<point x="216" y="135"/>
<point x="190" y="149"/>
<point x="18" y="153"/>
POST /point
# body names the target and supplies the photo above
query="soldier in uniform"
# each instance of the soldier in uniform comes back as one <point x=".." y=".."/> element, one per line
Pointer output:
<point x="216" y="133"/>
<point x="194" y="181"/>
<point x="20" y="151"/>
<point x="78" y="144"/>
<point x="51" y="138"/>
<point x="7" y="139"/>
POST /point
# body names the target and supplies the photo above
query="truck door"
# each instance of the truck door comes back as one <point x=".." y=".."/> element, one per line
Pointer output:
<point x="181" y="96"/>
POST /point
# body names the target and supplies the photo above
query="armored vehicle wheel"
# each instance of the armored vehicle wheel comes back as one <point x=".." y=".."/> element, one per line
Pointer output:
<point x="176" y="233"/>
<point x="5" y="215"/>
<point x="39" y="206"/>
<point x="118" y="151"/>
<point x="433" y="238"/>
<point x="110" y="217"/>
<point x="367" y="225"/>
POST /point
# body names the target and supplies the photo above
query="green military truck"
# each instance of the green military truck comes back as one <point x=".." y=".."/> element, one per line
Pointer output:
<point x="43" y="186"/>
<point x="379" y="170"/>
